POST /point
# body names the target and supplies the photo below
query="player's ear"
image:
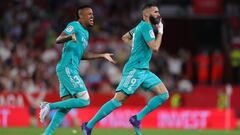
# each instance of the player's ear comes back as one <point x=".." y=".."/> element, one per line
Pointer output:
<point x="145" y="15"/>
<point x="79" y="14"/>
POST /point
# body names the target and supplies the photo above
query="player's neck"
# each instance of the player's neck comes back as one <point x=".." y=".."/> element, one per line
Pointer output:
<point x="83" y="24"/>
<point x="146" y="20"/>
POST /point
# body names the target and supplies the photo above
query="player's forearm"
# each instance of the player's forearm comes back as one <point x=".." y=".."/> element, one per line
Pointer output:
<point x="63" y="39"/>
<point x="91" y="56"/>
<point x="128" y="42"/>
<point x="127" y="39"/>
<point x="158" y="42"/>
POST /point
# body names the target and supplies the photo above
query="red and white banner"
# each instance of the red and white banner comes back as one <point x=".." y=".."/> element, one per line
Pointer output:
<point x="14" y="117"/>
<point x="16" y="99"/>
<point x="160" y="118"/>
<point x="171" y="119"/>
<point x="167" y="118"/>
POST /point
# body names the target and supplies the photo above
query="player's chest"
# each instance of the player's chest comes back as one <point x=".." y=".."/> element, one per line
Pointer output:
<point x="82" y="39"/>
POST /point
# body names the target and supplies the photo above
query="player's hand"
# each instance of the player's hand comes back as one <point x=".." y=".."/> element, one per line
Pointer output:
<point x="74" y="37"/>
<point x="108" y="57"/>
<point x="160" y="27"/>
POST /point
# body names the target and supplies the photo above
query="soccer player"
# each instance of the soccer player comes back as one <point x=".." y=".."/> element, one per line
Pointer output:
<point x="136" y="71"/>
<point x="73" y="91"/>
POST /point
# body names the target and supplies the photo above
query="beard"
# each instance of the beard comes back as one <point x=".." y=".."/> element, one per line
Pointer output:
<point x="155" y="29"/>
<point x="90" y="25"/>
<point x="153" y="20"/>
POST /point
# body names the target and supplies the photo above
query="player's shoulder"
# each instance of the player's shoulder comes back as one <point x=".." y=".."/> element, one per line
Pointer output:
<point x="145" y="24"/>
<point x="73" y="23"/>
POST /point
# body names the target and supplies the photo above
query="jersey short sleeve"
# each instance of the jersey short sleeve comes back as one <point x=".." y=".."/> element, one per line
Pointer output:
<point x="147" y="32"/>
<point x="131" y="32"/>
<point x="69" y="29"/>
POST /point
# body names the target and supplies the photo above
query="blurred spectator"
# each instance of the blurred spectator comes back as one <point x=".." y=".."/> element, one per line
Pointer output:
<point x="175" y="66"/>
<point x="221" y="100"/>
<point x="234" y="25"/>
<point x="5" y="52"/>
<point x="93" y="78"/>
<point x="235" y="38"/>
<point x="202" y="62"/>
<point x="187" y="66"/>
<point x="184" y="85"/>
<point x="49" y="55"/>
<point x="217" y="63"/>
<point x="176" y="100"/>
<point x="112" y="72"/>
<point x="235" y="63"/>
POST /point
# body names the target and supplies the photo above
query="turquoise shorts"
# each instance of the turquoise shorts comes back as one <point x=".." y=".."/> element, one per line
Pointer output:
<point x="135" y="78"/>
<point x="70" y="82"/>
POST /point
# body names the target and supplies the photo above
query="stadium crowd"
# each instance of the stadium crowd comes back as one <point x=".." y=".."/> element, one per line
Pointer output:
<point x="28" y="53"/>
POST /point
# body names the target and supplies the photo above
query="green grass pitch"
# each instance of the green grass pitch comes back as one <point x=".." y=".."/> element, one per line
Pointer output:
<point x="77" y="131"/>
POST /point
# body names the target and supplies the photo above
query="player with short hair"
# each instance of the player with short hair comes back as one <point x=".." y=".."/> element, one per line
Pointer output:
<point x="73" y="91"/>
<point x="136" y="71"/>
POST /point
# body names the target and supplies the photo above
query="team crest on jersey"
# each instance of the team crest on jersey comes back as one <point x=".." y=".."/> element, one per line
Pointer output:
<point x="69" y="29"/>
<point x="151" y="33"/>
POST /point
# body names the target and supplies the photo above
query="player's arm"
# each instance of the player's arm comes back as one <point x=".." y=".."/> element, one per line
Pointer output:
<point x="91" y="56"/>
<point x="127" y="38"/>
<point x="63" y="37"/>
<point x="155" y="44"/>
<point x="67" y="34"/>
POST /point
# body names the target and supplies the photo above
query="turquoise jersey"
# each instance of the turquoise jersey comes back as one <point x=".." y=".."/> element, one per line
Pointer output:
<point x="141" y="53"/>
<point x="72" y="52"/>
